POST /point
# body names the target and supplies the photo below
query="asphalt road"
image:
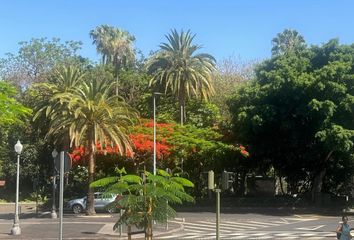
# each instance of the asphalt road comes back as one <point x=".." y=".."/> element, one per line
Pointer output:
<point x="256" y="226"/>
<point x="197" y="225"/>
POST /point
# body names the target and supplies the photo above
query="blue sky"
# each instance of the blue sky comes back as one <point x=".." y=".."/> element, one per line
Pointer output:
<point x="223" y="27"/>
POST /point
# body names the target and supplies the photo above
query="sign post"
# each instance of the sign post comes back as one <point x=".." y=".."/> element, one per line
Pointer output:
<point x="64" y="166"/>
<point x="211" y="186"/>
<point x="61" y="193"/>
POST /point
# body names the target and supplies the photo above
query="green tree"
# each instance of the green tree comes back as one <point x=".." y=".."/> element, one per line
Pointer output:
<point x="297" y="114"/>
<point x="180" y="70"/>
<point x="288" y="41"/>
<point x="35" y="60"/>
<point x="11" y="111"/>
<point x="90" y="114"/>
<point x="146" y="199"/>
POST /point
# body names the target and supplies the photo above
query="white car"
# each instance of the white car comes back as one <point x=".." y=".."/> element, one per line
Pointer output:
<point x="101" y="201"/>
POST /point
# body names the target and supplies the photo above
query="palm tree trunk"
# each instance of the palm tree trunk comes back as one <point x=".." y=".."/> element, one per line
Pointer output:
<point x="117" y="84"/>
<point x="182" y="114"/>
<point x="182" y="104"/>
<point x="90" y="208"/>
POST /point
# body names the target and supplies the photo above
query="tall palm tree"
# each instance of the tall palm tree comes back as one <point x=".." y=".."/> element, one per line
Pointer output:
<point x="180" y="70"/>
<point x="91" y="115"/>
<point x="288" y="41"/>
<point x="64" y="80"/>
<point x="115" y="46"/>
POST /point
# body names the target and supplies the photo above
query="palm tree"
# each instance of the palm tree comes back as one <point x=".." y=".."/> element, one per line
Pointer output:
<point x="64" y="80"/>
<point x="90" y="114"/>
<point x="180" y="70"/>
<point x="115" y="46"/>
<point x="288" y="41"/>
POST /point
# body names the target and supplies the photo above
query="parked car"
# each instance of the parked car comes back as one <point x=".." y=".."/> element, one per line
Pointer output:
<point x="102" y="200"/>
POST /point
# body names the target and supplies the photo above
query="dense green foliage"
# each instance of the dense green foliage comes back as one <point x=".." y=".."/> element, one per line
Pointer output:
<point x="297" y="116"/>
<point x="11" y="111"/>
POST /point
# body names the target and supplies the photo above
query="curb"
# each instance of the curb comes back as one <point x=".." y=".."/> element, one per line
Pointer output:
<point x="180" y="228"/>
<point x="95" y="216"/>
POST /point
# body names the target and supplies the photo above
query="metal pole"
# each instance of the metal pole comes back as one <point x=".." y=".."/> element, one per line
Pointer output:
<point x="53" y="213"/>
<point x="61" y="193"/>
<point x="37" y="190"/>
<point x="217" y="191"/>
<point x="16" y="230"/>
<point x="154" y="96"/>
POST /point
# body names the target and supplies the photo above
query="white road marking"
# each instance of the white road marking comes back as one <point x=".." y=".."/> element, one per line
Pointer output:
<point x="200" y="228"/>
<point x="263" y="223"/>
<point x="313" y="228"/>
<point x="233" y="226"/>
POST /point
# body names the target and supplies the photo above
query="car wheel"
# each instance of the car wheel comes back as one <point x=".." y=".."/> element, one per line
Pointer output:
<point x="111" y="209"/>
<point x="77" y="208"/>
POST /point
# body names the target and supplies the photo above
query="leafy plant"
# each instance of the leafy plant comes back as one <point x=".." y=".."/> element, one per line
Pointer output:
<point x="146" y="198"/>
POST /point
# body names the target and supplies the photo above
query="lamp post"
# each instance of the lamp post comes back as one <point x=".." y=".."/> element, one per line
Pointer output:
<point x="53" y="214"/>
<point x="154" y="97"/>
<point x="16" y="230"/>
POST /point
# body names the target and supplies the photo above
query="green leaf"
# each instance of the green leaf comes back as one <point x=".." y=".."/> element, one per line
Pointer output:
<point x="132" y="179"/>
<point x="103" y="182"/>
<point x="183" y="181"/>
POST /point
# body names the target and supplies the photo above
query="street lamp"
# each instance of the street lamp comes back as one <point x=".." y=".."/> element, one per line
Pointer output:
<point x="154" y="97"/>
<point x="16" y="230"/>
<point x="53" y="214"/>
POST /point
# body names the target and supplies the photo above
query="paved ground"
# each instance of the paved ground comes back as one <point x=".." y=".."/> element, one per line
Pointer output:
<point x="256" y="226"/>
<point x="267" y="224"/>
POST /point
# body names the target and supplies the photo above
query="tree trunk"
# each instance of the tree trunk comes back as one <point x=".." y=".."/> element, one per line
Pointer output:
<point x="281" y="185"/>
<point x="90" y="208"/>
<point x="318" y="180"/>
<point x="148" y="226"/>
<point x="148" y="231"/>
<point x="129" y="231"/>
<point x="182" y="103"/>
<point x="243" y="183"/>
<point x="117" y="85"/>
<point x="182" y="114"/>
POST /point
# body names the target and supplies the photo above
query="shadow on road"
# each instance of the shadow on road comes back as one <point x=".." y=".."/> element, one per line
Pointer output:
<point x="269" y="211"/>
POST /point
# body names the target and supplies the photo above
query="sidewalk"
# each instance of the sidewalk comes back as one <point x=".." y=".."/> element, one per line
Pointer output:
<point x="23" y="208"/>
<point x="42" y="227"/>
<point x="35" y="229"/>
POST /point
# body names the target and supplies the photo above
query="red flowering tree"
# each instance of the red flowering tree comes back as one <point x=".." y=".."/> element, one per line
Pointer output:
<point x="142" y="145"/>
<point x="193" y="150"/>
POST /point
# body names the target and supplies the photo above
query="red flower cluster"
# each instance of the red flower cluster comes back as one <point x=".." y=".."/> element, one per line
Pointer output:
<point x="143" y="144"/>
<point x="243" y="151"/>
<point x="77" y="154"/>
